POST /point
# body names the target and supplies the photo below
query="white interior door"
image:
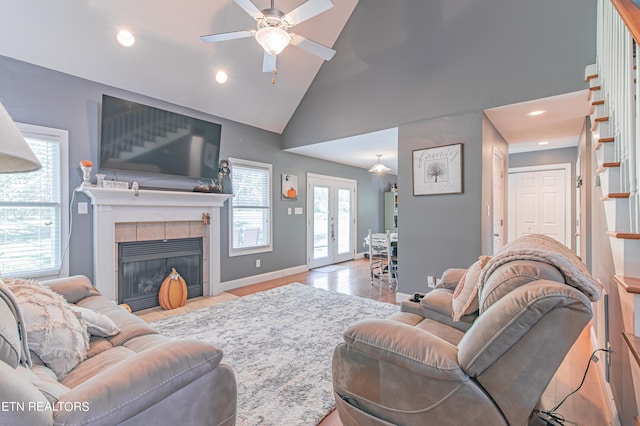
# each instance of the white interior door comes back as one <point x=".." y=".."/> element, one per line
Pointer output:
<point x="498" y="201"/>
<point x="331" y="225"/>
<point x="552" y="205"/>
<point x="539" y="203"/>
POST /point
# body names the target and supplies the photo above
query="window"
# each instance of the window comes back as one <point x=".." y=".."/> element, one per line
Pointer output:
<point x="250" y="221"/>
<point x="33" y="207"/>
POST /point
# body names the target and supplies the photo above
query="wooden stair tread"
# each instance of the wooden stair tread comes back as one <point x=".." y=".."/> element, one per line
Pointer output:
<point x="591" y="77"/>
<point x="624" y="235"/>
<point x="602" y="141"/>
<point x="611" y="164"/>
<point x="595" y="88"/>
<point x="601" y="119"/>
<point x="614" y="195"/>
<point x="606" y="166"/>
<point x="600" y="102"/>
<point x="630" y="284"/>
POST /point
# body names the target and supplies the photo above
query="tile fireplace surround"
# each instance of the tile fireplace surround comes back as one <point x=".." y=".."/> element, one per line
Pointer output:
<point x="118" y="208"/>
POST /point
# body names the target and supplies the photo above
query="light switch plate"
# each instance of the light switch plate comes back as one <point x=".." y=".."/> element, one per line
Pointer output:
<point x="298" y="210"/>
<point x="83" y="207"/>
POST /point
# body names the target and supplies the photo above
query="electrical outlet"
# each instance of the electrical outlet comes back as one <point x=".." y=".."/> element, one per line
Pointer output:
<point x="257" y="263"/>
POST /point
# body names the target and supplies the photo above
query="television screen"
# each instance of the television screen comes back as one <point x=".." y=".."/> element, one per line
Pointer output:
<point x="138" y="138"/>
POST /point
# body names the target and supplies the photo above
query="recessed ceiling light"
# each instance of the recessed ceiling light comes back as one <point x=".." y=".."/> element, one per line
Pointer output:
<point x="221" y="77"/>
<point x="536" y="112"/>
<point x="125" y="38"/>
<point x="543" y="143"/>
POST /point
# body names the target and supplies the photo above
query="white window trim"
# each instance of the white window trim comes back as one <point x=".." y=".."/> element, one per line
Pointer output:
<point x="62" y="136"/>
<point x="233" y="252"/>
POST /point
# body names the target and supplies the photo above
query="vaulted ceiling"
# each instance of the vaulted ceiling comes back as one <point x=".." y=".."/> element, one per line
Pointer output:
<point x="396" y="61"/>
<point x="169" y="61"/>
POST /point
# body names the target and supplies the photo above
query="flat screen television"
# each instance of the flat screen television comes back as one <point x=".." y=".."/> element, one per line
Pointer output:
<point x="137" y="138"/>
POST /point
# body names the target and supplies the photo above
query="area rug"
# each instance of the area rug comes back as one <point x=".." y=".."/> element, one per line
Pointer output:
<point x="279" y="343"/>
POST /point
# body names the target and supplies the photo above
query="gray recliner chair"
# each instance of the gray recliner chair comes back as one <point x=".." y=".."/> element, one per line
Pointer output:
<point x="419" y="367"/>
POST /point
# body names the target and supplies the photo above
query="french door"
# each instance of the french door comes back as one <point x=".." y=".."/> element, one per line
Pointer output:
<point x="331" y="220"/>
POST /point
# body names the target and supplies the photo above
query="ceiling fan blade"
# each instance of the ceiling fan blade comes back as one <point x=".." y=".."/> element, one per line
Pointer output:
<point x="312" y="47"/>
<point x="268" y="63"/>
<point x="307" y="10"/>
<point x="213" y="38"/>
<point x="250" y="8"/>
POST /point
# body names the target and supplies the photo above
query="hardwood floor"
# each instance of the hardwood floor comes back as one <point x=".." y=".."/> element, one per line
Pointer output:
<point x="348" y="277"/>
<point x="589" y="406"/>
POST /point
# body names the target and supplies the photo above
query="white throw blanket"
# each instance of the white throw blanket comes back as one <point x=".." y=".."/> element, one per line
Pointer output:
<point x="541" y="248"/>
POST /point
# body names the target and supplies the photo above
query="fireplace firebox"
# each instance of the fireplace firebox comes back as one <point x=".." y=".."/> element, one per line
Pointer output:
<point x="143" y="266"/>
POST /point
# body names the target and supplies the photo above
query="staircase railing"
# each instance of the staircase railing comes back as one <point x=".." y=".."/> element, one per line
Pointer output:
<point x="618" y="29"/>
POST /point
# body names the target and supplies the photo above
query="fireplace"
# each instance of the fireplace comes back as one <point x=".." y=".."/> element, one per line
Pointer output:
<point x="179" y="214"/>
<point x="144" y="265"/>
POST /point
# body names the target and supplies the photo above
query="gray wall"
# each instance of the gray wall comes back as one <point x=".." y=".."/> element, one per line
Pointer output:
<point x="36" y="95"/>
<point x="436" y="232"/>
<point x="405" y="60"/>
<point x="433" y="82"/>
<point x="547" y="156"/>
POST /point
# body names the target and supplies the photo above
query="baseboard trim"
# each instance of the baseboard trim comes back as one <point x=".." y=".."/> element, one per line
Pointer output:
<point x="254" y="279"/>
<point x="608" y="393"/>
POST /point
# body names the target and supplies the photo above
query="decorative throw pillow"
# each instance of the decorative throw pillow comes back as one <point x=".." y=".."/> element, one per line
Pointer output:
<point x="54" y="333"/>
<point x="465" y="296"/>
<point x="97" y="324"/>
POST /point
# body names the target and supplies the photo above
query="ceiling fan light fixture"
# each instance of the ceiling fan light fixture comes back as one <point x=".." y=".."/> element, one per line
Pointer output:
<point x="273" y="39"/>
<point x="379" y="167"/>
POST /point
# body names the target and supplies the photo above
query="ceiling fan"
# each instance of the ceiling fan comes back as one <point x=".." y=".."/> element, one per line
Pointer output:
<point x="273" y="30"/>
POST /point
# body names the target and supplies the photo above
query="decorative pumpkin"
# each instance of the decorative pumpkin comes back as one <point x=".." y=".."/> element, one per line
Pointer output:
<point x="291" y="193"/>
<point x="173" y="291"/>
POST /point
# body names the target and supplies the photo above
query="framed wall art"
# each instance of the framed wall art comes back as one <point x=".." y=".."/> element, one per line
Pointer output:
<point x="437" y="170"/>
<point x="289" y="187"/>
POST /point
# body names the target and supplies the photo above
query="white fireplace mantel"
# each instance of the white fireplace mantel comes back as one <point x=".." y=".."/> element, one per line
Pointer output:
<point x="111" y="206"/>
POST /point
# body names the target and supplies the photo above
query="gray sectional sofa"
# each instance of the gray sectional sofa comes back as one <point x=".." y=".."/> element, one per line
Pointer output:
<point x="134" y="377"/>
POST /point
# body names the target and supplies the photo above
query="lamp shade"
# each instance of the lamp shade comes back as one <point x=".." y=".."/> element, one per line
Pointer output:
<point x="15" y="154"/>
<point x="273" y="39"/>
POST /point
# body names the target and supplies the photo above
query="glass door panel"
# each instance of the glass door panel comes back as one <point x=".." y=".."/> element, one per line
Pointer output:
<point x="320" y="222"/>
<point x="344" y="221"/>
